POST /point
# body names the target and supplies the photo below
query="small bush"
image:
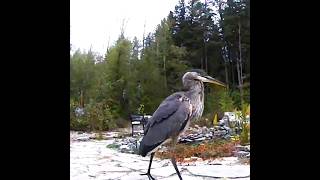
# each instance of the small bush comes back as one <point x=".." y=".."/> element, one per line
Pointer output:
<point x="226" y="102"/>
<point x="244" y="136"/>
<point x="113" y="146"/>
<point x="205" y="151"/>
<point x="97" y="117"/>
<point x="77" y="123"/>
<point x="122" y="123"/>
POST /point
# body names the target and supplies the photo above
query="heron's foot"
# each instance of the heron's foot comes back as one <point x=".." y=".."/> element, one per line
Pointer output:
<point x="149" y="175"/>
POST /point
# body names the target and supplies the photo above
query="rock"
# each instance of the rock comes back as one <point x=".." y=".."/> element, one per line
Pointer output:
<point x="221" y="171"/>
<point x="208" y="135"/>
<point x="187" y="159"/>
<point x="165" y="171"/>
<point x="205" y="129"/>
<point x="84" y="138"/>
<point x="114" y="175"/>
<point x="200" y="139"/>
<point x="248" y="148"/>
<point x="132" y="140"/>
<point x="133" y="176"/>
<point x="242" y="154"/>
<point x="186" y="140"/>
<point x="193" y="158"/>
<point x="92" y="160"/>
<point x="199" y="159"/>
<point x="243" y="148"/>
<point x="124" y="147"/>
<point x="111" y="135"/>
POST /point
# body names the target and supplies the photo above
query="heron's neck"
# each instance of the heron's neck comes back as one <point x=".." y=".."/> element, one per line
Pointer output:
<point x="196" y="92"/>
<point x="196" y="95"/>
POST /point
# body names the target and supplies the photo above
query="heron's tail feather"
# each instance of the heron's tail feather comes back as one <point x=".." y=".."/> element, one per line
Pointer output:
<point x="145" y="149"/>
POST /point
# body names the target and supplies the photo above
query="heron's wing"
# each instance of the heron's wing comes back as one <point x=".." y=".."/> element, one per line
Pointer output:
<point x="168" y="120"/>
<point x="167" y="108"/>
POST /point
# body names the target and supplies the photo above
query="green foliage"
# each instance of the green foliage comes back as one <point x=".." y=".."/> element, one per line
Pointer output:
<point x="141" y="109"/>
<point x="244" y="136"/>
<point x="97" y="117"/>
<point x="113" y="146"/>
<point x="135" y="78"/>
<point x="117" y="76"/>
<point x="82" y="74"/>
<point x="246" y="95"/>
<point x="226" y="102"/>
<point x="235" y="95"/>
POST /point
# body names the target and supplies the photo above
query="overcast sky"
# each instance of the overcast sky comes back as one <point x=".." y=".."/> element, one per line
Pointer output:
<point x="93" y="22"/>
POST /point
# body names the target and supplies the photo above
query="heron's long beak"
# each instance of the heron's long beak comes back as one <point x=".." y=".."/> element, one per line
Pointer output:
<point x="212" y="80"/>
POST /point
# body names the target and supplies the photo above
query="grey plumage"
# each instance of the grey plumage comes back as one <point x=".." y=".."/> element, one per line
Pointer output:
<point x="174" y="114"/>
<point x="166" y="122"/>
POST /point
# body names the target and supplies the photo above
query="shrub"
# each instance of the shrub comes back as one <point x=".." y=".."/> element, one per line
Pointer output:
<point x="207" y="150"/>
<point x="97" y="117"/>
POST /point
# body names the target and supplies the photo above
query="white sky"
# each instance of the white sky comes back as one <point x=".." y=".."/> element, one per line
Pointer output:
<point x="93" y="22"/>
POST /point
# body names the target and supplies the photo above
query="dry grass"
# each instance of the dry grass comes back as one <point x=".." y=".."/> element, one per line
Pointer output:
<point x="206" y="150"/>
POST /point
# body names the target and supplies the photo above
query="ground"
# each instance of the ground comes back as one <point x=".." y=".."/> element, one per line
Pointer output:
<point x="92" y="160"/>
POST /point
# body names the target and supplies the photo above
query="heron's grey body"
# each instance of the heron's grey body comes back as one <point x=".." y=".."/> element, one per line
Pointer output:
<point x="173" y="116"/>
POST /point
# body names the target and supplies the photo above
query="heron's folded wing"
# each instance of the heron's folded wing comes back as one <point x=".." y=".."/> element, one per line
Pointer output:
<point x="168" y="120"/>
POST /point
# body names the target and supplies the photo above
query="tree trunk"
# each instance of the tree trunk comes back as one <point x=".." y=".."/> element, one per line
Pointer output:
<point x="206" y="57"/>
<point x="226" y="71"/>
<point x="225" y="48"/>
<point x="81" y="99"/>
<point x="157" y="49"/>
<point x="232" y="73"/>
<point x="239" y="67"/>
<point x="165" y="72"/>
<point x="204" y="41"/>
<point x="201" y="59"/>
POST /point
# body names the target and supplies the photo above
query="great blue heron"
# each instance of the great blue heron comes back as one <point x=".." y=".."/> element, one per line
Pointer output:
<point x="174" y="114"/>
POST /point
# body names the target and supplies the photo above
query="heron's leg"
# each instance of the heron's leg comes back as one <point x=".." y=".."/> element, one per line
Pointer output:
<point x="173" y="160"/>
<point x="148" y="173"/>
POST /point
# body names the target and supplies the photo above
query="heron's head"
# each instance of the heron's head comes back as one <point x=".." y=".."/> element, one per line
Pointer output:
<point x="197" y="75"/>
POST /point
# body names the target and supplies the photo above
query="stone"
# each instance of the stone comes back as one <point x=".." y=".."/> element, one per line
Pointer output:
<point x="115" y="168"/>
<point x="200" y="139"/>
<point x="114" y="175"/>
<point x="84" y="138"/>
<point x="133" y="176"/>
<point x="194" y="158"/>
<point x="139" y="165"/>
<point x="187" y="160"/>
<point x="164" y="171"/>
<point x="224" y="161"/>
<point x="243" y="148"/>
<point x="220" y="171"/>
<point x="242" y="154"/>
<point x="92" y="160"/>
<point x="185" y="177"/>
<point x="248" y="148"/>
<point x="208" y="135"/>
